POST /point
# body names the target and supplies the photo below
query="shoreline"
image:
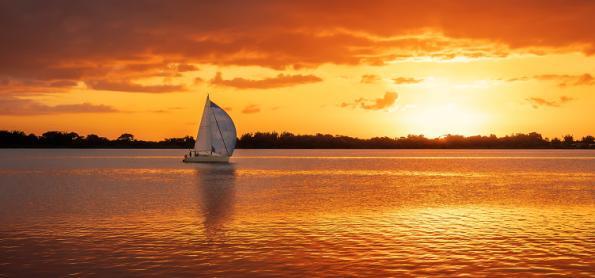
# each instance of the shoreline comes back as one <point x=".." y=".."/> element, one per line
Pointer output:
<point x="175" y="148"/>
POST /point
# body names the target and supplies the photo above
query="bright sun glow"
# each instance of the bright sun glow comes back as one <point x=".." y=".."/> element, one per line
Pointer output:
<point x="438" y="120"/>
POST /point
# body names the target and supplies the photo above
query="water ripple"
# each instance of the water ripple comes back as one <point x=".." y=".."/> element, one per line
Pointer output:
<point x="319" y="216"/>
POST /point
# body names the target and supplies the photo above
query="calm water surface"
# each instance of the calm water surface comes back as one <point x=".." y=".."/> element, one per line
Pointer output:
<point x="298" y="212"/>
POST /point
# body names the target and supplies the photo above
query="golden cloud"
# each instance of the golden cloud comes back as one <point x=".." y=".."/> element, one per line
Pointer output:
<point x="406" y="80"/>
<point x="386" y="101"/>
<point x="21" y="107"/>
<point x="278" y="81"/>
<point x="126" y="86"/>
<point x="370" y="78"/>
<point x="569" y="80"/>
<point x="111" y="40"/>
<point x="537" y="102"/>
<point x="250" y="109"/>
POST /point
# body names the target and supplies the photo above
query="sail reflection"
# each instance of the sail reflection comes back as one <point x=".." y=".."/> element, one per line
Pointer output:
<point x="216" y="183"/>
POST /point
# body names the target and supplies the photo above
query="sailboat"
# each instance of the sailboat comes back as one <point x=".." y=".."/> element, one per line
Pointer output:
<point x="216" y="139"/>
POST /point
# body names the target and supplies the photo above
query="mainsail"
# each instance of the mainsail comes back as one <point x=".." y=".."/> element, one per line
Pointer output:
<point x="217" y="133"/>
<point x="203" y="138"/>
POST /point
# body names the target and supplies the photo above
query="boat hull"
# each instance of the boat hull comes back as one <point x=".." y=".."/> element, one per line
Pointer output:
<point x="206" y="159"/>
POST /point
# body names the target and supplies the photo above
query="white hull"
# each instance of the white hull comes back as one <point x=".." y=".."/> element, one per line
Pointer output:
<point x="206" y="159"/>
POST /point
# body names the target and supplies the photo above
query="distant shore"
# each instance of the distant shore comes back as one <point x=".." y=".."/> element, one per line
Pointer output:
<point x="286" y="140"/>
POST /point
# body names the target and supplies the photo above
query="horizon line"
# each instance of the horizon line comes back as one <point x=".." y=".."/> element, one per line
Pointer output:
<point x="318" y="133"/>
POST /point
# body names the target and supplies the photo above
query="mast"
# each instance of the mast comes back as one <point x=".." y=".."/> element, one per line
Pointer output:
<point x="204" y="137"/>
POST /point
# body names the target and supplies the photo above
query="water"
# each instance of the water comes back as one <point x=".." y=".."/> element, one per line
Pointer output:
<point x="298" y="213"/>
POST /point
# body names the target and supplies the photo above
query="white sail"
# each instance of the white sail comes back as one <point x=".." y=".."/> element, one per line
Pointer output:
<point x="204" y="137"/>
<point x="217" y="133"/>
<point x="223" y="131"/>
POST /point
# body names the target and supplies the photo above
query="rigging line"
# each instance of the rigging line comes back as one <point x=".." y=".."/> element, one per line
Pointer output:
<point x="220" y="134"/>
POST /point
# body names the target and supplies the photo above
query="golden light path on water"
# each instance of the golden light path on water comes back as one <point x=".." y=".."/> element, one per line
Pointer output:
<point x="292" y="212"/>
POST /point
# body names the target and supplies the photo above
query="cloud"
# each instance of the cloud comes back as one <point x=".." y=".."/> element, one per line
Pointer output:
<point x="186" y="67"/>
<point x="538" y="102"/>
<point x="130" y="70"/>
<point x="126" y="86"/>
<point x="62" y="42"/>
<point x="406" y="80"/>
<point x="381" y="103"/>
<point x="69" y="40"/>
<point x="63" y="83"/>
<point x="167" y="110"/>
<point x="386" y="101"/>
<point x="585" y="79"/>
<point x="23" y="87"/>
<point x="278" y="81"/>
<point x="515" y="79"/>
<point x="370" y="78"/>
<point x="563" y="80"/>
<point x="24" y="107"/>
<point x="250" y="109"/>
<point x="568" y="80"/>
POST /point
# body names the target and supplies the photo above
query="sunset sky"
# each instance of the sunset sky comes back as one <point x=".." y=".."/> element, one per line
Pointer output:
<point x="358" y="68"/>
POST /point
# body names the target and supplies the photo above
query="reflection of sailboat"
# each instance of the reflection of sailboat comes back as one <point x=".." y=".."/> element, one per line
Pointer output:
<point x="216" y="184"/>
<point x="216" y="139"/>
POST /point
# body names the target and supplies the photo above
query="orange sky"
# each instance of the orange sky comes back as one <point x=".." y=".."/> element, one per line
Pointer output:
<point x="359" y="68"/>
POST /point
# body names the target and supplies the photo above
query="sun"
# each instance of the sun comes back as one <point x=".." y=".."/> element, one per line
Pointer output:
<point x="440" y="119"/>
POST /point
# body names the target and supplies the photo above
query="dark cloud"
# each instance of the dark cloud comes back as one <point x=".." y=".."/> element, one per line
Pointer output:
<point x="538" y="102"/>
<point x="152" y="69"/>
<point x="25" y="87"/>
<point x="23" y="107"/>
<point x="250" y="109"/>
<point x="126" y="86"/>
<point x="63" y="83"/>
<point x="63" y="38"/>
<point x="386" y="101"/>
<point x="186" y="67"/>
<point x="278" y="81"/>
<point x="58" y="43"/>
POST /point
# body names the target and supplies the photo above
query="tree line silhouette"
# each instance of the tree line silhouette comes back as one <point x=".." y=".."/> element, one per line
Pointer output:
<point x="286" y="140"/>
<point x="59" y="139"/>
